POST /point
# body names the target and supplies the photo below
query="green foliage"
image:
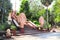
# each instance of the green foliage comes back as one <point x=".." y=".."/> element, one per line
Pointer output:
<point x="5" y="7"/>
<point x="57" y="19"/>
<point x="46" y="25"/>
<point x="13" y="27"/>
<point x="3" y="26"/>
<point x="32" y="14"/>
<point x="41" y="12"/>
<point x="33" y="11"/>
<point x="25" y="7"/>
<point x="36" y="22"/>
<point x="57" y="11"/>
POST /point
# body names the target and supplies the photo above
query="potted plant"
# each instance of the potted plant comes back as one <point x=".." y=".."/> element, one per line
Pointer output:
<point x="13" y="30"/>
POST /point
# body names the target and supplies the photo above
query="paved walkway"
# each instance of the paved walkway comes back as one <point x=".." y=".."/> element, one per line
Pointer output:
<point x="31" y="34"/>
<point x="42" y="36"/>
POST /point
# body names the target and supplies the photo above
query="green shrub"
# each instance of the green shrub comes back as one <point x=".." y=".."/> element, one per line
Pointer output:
<point x="3" y="26"/>
<point x="13" y="27"/>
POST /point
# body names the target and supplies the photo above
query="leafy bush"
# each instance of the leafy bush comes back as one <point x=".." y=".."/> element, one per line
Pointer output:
<point x="36" y="22"/>
<point x="13" y="27"/>
<point x="3" y="26"/>
<point x="57" y="11"/>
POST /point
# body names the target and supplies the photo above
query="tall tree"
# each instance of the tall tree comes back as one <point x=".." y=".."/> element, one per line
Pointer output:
<point x="5" y="7"/>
